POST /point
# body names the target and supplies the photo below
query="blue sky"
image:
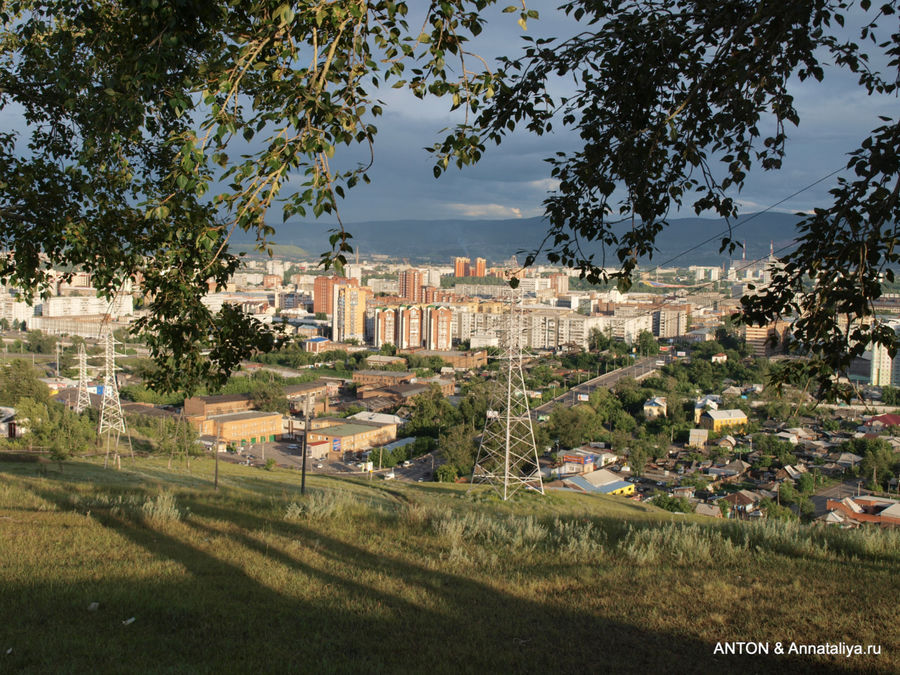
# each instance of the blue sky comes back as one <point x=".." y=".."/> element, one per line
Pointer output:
<point x="512" y="180"/>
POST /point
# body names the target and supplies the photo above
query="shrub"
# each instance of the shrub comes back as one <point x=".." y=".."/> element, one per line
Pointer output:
<point x="162" y="509"/>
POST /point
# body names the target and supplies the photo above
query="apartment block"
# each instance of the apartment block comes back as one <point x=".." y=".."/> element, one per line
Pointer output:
<point x="462" y="267"/>
<point x="410" y="285"/>
<point x="669" y="323"/>
<point x="480" y="267"/>
<point x="323" y="292"/>
<point x="438" y="323"/>
<point x="348" y="313"/>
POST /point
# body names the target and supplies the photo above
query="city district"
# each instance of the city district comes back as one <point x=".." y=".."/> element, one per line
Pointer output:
<point x="652" y="395"/>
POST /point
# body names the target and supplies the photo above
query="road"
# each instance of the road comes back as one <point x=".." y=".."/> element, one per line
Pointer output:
<point x="638" y="370"/>
<point x="287" y="454"/>
<point x="849" y="488"/>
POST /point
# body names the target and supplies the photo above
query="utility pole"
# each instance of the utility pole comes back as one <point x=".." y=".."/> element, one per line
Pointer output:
<point x="305" y="442"/>
<point x="216" y="450"/>
<point x="507" y="457"/>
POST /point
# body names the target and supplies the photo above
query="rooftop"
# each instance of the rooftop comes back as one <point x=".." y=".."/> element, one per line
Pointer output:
<point x="250" y="415"/>
<point x="344" y="430"/>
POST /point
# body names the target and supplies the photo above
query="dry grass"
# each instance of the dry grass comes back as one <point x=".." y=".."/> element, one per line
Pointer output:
<point x="359" y="576"/>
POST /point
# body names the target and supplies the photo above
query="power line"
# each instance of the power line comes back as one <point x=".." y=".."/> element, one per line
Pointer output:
<point x="747" y="220"/>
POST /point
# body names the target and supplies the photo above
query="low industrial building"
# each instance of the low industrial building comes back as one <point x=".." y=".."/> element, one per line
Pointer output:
<point x="350" y="437"/>
<point x="242" y="428"/>
<point x="383" y="378"/>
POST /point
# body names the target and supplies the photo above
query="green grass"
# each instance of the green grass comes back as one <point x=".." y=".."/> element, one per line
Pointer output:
<point x="389" y="577"/>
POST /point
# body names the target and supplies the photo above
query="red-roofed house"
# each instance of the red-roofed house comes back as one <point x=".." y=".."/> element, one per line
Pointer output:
<point x="881" y="422"/>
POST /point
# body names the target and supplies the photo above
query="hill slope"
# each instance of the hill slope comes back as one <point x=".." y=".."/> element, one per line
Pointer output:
<point x="377" y="577"/>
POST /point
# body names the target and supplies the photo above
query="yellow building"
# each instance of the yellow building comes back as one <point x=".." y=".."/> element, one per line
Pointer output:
<point x="622" y="488"/>
<point x="348" y="314"/>
<point x="716" y="420"/>
<point x="242" y="428"/>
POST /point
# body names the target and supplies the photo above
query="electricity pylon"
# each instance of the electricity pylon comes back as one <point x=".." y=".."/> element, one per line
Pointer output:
<point x="507" y="456"/>
<point x="112" y="420"/>
<point x="83" y="400"/>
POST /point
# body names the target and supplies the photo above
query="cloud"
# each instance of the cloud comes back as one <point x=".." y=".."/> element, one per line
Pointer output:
<point x="544" y="184"/>
<point x="749" y="206"/>
<point x="489" y="210"/>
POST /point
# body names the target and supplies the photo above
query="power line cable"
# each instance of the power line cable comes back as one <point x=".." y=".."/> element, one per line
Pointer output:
<point x="748" y="219"/>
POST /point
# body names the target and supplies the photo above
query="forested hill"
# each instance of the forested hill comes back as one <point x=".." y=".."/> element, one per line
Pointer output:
<point x="440" y="240"/>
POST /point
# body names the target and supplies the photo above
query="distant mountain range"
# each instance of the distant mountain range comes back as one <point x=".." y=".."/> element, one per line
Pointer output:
<point x="682" y="244"/>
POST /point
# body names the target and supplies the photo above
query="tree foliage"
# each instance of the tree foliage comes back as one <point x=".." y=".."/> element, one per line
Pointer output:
<point x="172" y="124"/>
<point x="675" y="104"/>
<point x="154" y="129"/>
<point x="19" y="380"/>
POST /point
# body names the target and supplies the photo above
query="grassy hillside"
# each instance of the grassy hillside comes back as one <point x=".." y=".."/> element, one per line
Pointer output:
<point x="386" y="577"/>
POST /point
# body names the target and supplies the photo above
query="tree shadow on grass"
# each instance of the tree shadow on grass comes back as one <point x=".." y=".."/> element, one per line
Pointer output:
<point x="220" y="615"/>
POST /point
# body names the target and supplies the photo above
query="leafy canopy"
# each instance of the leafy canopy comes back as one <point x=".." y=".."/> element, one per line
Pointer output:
<point x="154" y="128"/>
<point x="137" y="159"/>
<point x="675" y="103"/>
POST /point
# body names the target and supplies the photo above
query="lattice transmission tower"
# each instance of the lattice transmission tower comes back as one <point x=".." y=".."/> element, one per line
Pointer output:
<point x="112" y="420"/>
<point x="507" y="456"/>
<point x="83" y="400"/>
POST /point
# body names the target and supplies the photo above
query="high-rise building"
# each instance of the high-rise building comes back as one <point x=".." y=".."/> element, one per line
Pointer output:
<point x="272" y="281"/>
<point x="384" y="329"/>
<point x="462" y="267"/>
<point x="438" y="322"/>
<point x="275" y="267"/>
<point x="766" y="340"/>
<point x="409" y="327"/>
<point x="348" y="313"/>
<point x="480" y="267"/>
<point x="323" y="292"/>
<point x="410" y="283"/>
<point x="669" y="323"/>
<point x="559" y="283"/>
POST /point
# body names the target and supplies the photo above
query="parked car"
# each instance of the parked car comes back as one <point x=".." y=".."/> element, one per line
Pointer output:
<point x="407" y="464"/>
<point x="389" y="475"/>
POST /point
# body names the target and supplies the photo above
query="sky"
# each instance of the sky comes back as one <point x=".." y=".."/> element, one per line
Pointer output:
<point x="512" y="180"/>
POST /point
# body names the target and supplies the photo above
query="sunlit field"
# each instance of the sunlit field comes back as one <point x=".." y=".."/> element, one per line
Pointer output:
<point x="150" y="569"/>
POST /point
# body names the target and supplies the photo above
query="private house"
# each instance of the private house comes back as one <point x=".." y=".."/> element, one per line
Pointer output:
<point x="717" y="420"/>
<point x="655" y="407"/>
<point x="727" y="442"/>
<point x="704" y="403"/>
<point x="867" y="509"/>
<point x="697" y="438"/>
<point x="845" y="460"/>
<point x="710" y="510"/>
<point x="743" y="503"/>
<point x="721" y="357"/>
<point x="8" y="426"/>
<point x="732" y="469"/>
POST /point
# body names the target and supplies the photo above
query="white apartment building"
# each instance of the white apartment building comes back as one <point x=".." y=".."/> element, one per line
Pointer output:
<point x="625" y="328"/>
<point x="13" y="309"/>
<point x="85" y="305"/>
<point x="541" y="328"/>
